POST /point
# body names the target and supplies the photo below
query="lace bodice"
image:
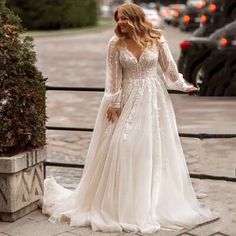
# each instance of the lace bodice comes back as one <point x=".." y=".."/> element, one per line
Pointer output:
<point x="121" y="65"/>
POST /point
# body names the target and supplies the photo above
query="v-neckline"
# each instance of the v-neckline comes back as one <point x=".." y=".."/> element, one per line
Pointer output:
<point x="137" y="59"/>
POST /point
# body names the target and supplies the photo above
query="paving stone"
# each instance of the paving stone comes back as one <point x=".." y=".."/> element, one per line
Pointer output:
<point x="34" y="228"/>
<point x="82" y="231"/>
<point x="210" y="156"/>
<point x="5" y="226"/>
<point x="87" y="231"/>
<point x="221" y="198"/>
<point x="164" y="233"/>
<point x="65" y="234"/>
<point x="36" y="216"/>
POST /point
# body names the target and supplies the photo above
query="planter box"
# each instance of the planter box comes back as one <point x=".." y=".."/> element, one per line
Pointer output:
<point x="21" y="183"/>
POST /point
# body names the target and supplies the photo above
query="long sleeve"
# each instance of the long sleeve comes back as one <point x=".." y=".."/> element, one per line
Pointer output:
<point x="173" y="79"/>
<point x="113" y="81"/>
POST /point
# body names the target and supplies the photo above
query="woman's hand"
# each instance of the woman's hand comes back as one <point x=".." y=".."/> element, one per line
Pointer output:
<point x="113" y="113"/>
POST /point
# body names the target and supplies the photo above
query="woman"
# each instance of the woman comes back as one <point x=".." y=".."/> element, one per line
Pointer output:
<point x="135" y="176"/>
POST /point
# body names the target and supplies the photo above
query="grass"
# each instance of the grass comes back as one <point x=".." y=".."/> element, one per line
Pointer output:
<point x="101" y="24"/>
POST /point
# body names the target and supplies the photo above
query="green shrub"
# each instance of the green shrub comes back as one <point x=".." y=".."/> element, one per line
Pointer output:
<point x="56" y="14"/>
<point x="22" y="89"/>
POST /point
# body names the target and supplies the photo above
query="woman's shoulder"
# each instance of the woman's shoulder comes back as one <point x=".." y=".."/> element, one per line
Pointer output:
<point x="112" y="40"/>
<point x="160" y="41"/>
<point x="114" y="43"/>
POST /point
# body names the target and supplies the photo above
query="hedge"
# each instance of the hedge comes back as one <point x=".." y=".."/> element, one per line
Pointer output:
<point x="22" y="89"/>
<point x="55" y="14"/>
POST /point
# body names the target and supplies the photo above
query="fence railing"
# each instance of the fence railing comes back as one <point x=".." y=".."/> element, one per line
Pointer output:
<point x="82" y="129"/>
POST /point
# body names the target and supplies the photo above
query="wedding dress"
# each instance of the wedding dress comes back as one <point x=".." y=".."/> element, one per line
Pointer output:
<point x="135" y="176"/>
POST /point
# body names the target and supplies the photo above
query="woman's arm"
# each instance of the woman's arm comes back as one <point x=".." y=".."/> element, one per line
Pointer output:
<point x="172" y="77"/>
<point x="113" y="75"/>
<point x="113" y="82"/>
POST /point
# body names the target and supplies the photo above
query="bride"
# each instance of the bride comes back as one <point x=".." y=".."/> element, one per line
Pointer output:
<point x="135" y="176"/>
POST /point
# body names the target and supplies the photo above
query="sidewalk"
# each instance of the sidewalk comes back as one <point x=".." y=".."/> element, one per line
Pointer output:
<point x="36" y="224"/>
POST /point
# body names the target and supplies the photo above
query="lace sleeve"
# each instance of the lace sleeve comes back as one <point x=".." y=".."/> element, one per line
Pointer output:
<point x="173" y="79"/>
<point x="113" y="75"/>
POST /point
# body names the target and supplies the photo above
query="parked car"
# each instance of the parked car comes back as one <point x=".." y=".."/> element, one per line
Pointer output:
<point x="217" y="75"/>
<point x="210" y="63"/>
<point x="191" y="17"/>
<point x="196" y="3"/>
<point x="169" y="10"/>
<point x="154" y="18"/>
<point x="216" y="14"/>
<point x="193" y="53"/>
<point x="176" y="14"/>
<point x="164" y="12"/>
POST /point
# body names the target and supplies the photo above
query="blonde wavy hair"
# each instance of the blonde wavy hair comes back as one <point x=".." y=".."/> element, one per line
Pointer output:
<point x="143" y="32"/>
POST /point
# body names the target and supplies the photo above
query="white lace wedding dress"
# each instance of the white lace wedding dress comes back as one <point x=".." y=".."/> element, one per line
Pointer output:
<point x="135" y="176"/>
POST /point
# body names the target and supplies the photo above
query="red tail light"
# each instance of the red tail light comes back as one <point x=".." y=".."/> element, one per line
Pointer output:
<point x="212" y="8"/>
<point x="203" y="19"/>
<point x="223" y="42"/>
<point x="185" y="45"/>
<point x="186" y="19"/>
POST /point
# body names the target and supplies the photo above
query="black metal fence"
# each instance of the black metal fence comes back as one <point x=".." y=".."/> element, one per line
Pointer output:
<point x="82" y="129"/>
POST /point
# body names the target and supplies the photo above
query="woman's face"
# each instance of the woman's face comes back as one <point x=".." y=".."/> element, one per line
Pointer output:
<point x="122" y="22"/>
